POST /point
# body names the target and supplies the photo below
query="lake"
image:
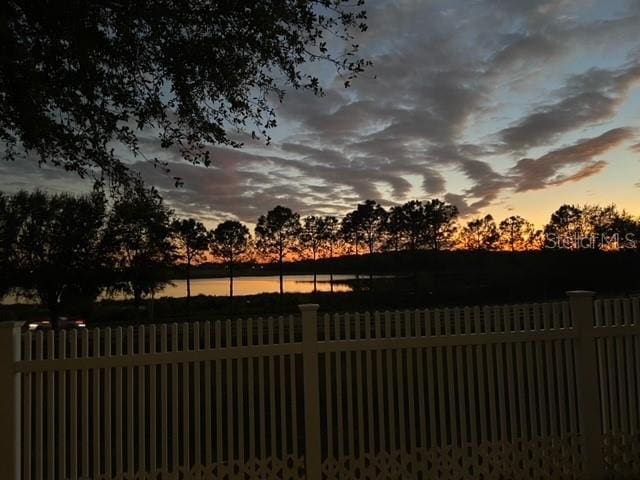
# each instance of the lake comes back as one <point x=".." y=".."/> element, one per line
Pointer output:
<point x="256" y="285"/>
<point x="241" y="286"/>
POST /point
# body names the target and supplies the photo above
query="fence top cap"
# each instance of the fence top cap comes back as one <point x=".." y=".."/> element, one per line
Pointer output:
<point x="581" y="293"/>
<point x="308" y="307"/>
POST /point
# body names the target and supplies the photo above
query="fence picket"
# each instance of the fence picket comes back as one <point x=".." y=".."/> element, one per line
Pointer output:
<point x="551" y="373"/>
<point x="442" y="404"/>
<point x="422" y="434"/>
<point x="632" y="387"/>
<point x="197" y="409"/>
<point x="392" y="409"/>
<point x="107" y="406"/>
<point x="119" y="460"/>
<point x="96" y="414"/>
<point x="51" y="409"/>
<point x="460" y="384"/>
<point x="359" y="384"/>
<point x="262" y="361"/>
<point x="339" y="401"/>
<point x="282" y="399"/>
<point x="492" y="383"/>
<point x="131" y="467"/>
<point x="273" y="428"/>
<point x="153" y="411"/>
<point x="251" y="388"/>
<point x="482" y="393"/>
<point x="328" y="384"/>
<point x="39" y="406"/>
<point x="294" y="391"/>
<point x="636" y="340"/>
<point x="164" y="390"/>
<point x="410" y="353"/>
<point x="140" y="388"/>
<point x="175" y="423"/>
<point x="27" y="408"/>
<point x="369" y="379"/>
<point x="349" y="389"/>
<point x="185" y="459"/>
<point x="208" y="406"/>
<point x="379" y="386"/>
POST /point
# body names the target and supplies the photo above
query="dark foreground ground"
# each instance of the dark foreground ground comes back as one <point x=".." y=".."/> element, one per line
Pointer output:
<point x="421" y="279"/>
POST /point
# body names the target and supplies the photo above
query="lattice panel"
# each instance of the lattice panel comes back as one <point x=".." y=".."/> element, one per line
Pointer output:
<point x="542" y="459"/>
<point x="622" y="455"/>
<point x="290" y="468"/>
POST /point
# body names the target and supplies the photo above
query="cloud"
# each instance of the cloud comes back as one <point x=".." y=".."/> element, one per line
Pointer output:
<point x="410" y="115"/>
<point x="28" y="174"/>
<point x="586" y="99"/>
<point x="521" y="49"/>
<point x="588" y="170"/>
<point x="549" y="169"/>
<point x="460" y="201"/>
<point x="451" y="90"/>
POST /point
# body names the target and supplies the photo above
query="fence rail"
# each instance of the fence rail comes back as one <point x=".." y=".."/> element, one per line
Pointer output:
<point x="537" y="391"/>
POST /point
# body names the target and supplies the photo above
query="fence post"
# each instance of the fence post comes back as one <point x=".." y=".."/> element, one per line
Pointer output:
<point x="311" y="391"/>
<point x="582" y="314"/>
<point x="10" y="400"/>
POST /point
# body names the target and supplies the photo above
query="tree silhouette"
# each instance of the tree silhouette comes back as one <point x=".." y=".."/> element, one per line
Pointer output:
<point x="441" y="226"/>
<point x="276" y="235"/>
<point x="602" y="225"/>
<point x="192" y="241"/>
<point x="591" y="227"/>
<point x="229" y="241"/>
<point x="480" y="234"/>
<point x="565" y="228"/>
<point x="8" y="236"/>
<point x="414" y="224"/>
<point x="535" y="240"/>
<point x="351" y="230"/>
<point x="372" y="218"/>
<point x="515" y="233"/>
<point x="394" y="229"/>
<point x="315" y="233"/>
<point x="333" y="239"/>
<point x="138" y="241"/>
<point x="79" y="77"/>
<point x="56" y="254"/>
<point x="624" y="231"/>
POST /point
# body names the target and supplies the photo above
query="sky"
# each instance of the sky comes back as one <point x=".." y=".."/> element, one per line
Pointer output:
<point x="497" y="106"/>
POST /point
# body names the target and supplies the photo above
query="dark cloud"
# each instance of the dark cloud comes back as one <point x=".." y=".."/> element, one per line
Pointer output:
<point x="549" y="169"/>
<point x="587" y="98"/>
<point x="530" y="9"/>
<point x="587" y="171"/>
<point x="521" y="49"/>
<point x="433" y="182"/>
<point x="460" y="201"/>
<point x="27" y="174"/>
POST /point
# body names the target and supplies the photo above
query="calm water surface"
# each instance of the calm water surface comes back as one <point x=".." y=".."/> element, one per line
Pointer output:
<point x="241" y="286"/>
<point x="255" y="285"/>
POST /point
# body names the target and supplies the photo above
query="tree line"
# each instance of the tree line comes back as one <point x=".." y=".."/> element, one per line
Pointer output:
<point x="63" y="249"/>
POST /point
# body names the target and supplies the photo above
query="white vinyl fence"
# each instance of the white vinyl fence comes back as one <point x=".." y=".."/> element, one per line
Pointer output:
<point x="533" y="391"/>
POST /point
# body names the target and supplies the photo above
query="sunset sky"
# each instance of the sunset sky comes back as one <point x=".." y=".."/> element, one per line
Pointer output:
<point x="497" y="106"/>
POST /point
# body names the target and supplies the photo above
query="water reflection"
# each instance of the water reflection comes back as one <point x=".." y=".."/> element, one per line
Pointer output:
<point x="241" y="286"/>
<point x="256" y="285"/>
